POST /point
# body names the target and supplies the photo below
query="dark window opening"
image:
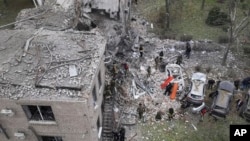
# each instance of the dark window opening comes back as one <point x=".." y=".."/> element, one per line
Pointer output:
<point x="94" y="94"/>
<point x="100" y="79"/>
<point x="98" y="123"/>
<point x="38" y="113"/>
<point x="51" y="138"/>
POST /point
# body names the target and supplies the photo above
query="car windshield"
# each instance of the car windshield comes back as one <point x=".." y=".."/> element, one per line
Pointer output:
<point x="195" y="96"/>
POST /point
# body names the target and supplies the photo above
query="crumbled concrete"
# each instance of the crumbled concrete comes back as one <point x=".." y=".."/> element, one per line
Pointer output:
<point x="47" y="60"/>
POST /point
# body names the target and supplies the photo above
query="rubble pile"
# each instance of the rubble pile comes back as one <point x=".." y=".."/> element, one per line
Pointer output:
<point x="53" y="17"/>
<point x="146" y="90"/>
<point x="49" y="60"/>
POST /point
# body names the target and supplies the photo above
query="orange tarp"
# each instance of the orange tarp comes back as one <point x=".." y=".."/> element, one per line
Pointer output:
<point x="166" y="82"/>
<point x="174" y="91"/>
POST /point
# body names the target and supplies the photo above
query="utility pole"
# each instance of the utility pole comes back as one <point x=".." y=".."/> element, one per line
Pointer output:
<point x="167" y="2"/>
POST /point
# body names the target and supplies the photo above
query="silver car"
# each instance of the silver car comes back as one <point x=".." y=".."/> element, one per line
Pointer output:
<point x="196" y="93"/>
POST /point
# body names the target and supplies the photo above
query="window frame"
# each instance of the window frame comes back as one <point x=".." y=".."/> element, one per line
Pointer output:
<point x="56" y="138"/>
<point x="94" y="95"/>
<point x="100" y="79"/>
<point x="41" y="115"/>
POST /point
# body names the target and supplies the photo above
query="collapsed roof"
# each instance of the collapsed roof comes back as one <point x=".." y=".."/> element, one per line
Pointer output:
<point x="60" y="63"/>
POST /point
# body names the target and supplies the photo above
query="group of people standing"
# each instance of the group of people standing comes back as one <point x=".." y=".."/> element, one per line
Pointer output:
<point x="141" y="110"/>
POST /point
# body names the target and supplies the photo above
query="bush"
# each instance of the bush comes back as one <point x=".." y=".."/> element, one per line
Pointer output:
<point x="216" y="17"/>
<point x="244" y="6"/>
<point x="223" y="39"/>
<point x="246" y="49"/>
<point x="185" y="38"/>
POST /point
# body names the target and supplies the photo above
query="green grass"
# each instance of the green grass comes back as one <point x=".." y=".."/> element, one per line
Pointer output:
<point x="186" y="18"/>
<point x="179" y="130"/>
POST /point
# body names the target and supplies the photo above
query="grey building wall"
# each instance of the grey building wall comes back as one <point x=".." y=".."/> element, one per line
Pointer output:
<point x="74" y="120"/>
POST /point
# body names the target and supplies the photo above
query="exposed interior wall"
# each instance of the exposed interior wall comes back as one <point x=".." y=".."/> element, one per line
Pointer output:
<point x="65" y="3"/>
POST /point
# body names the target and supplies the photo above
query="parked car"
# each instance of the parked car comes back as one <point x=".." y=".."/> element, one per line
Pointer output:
<point x="222" y="100"/>
<point x="245" y="109"/>
<point x="196" y="93"/>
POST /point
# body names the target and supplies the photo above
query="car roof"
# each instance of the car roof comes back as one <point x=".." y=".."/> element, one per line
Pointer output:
<point x="199" y="76"/>
<point x="226" y="85"/>
<point x="197" y="87"/>
<point x="223" y="98"/>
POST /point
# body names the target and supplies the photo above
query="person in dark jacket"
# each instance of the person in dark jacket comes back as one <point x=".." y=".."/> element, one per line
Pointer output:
<point x="158" y="115"/>
<point x="188" y="50"/>
<point x="122" y="134"/>
<point x="170" y="113"/>
<point x="149" y="71"/>
<point x="211" y="83"/>
<point x="141" y="50"/>
<point x="179" y="60"/>
<point x="161" y="56"/>
<point x="237" y="84"/>
<point x="157" y="60"/>
<point x="168" y="89"/>
<point x="126" y="68"/>
<point x="140" y="110"/>
<point x="246" y="83"/>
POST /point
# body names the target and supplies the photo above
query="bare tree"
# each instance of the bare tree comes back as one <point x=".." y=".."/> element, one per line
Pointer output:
<point x="203" y="4"/>
<point x="235" y="28"/>
<point x="167" y="2"/>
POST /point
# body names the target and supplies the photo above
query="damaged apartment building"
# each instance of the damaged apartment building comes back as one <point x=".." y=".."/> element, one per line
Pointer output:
<point x="51" y="85"/>
<point x="118" y="9"/>
<point x="52" y="75"/>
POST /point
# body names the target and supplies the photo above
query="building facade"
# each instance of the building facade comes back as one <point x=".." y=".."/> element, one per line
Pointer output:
<point x="51" y="85"/>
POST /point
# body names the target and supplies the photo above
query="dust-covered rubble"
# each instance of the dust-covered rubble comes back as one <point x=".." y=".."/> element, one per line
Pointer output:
<point x="49" y="60"/>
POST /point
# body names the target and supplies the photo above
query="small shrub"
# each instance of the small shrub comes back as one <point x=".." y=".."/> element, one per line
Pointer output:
<point x="223" y="39"/>
<point x="246" y="49"/>
<point x="244" y="6"/>
<point x="185" y="38"/>
<point x="216" y="17"/>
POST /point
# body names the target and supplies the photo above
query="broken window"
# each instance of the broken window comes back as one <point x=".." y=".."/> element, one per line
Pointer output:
<point x="51" y="138"/>
<point x="38" y="113"/>
<point x="94" y="95"/>
<point x="98" y="123"/>
<point x="100" y="79"/>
